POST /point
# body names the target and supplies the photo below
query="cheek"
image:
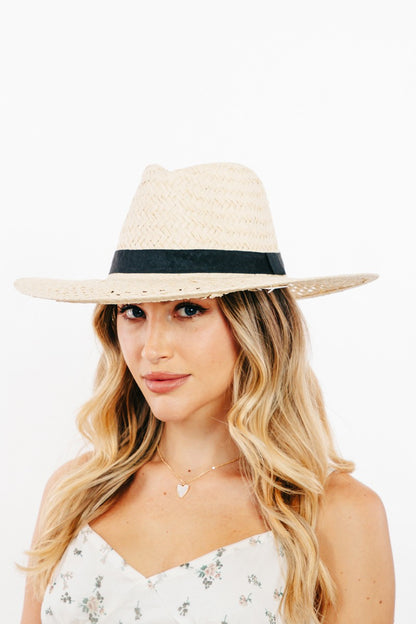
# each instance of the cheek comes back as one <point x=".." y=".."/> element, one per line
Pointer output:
<point x="127" y="345"/>
<point x="221" y="353"/>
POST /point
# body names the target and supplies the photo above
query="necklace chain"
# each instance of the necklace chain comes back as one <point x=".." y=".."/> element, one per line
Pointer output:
<point x="183" y="486"/>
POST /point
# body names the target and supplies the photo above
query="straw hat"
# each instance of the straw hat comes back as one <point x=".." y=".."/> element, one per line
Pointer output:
<point x="202" y="231"/>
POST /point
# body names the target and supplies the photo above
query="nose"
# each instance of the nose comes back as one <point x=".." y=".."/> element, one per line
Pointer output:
<point x="157" y="342"/>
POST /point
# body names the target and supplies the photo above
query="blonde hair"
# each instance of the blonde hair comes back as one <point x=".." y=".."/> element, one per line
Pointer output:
<point x="277" y="420"/>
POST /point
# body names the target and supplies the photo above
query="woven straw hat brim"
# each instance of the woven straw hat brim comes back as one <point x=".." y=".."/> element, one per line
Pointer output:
<point x="153" y="287"/>
<point x="202" y="231"/>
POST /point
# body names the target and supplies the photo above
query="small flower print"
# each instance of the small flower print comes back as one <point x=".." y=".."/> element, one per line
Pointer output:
<point x="85" y="533"/>
<point x="278" y="593"/>
<point x="152" y="582"/>
<point x="210" y="570"/>
<point x="105" y="549"/>
<point x="254" y="540"/>
<point x="252" y="578"/>
<point x="65" y="577"/>
<point x="93" y="604"/>
<point x="48" y="611"/>
<point x="77" y="552"/>
<point x="224" y="621"/>
<point x="209" y="573"/>
<point x="184" y="608"/>
<point x="66" y="598"/>
<point x="137" y="612"/>
<point x="52" y="587"/>
<point x="244" y="600"/>
<point x="270" y="617"/>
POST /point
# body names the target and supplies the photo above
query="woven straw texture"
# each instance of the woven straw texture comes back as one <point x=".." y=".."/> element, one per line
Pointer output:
<point x="219" y="206"/>
<point x="203" y="207"/>
<point x="119" y="288"/>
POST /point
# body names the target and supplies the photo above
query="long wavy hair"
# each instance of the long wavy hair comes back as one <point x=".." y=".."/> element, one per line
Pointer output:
<point x="277" y="419"/>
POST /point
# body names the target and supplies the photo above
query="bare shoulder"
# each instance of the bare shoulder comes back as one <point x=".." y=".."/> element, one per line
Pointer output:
<point x="56" y="479"/>
<point x="347" y="500"/>
<point x="354" y="544"/>
<point x="66" y="470"/>
<point x="32" y="605"/>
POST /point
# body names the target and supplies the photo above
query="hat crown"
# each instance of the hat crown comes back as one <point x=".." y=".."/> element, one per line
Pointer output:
<point x="203" y="231"/>
<point x="208" y="206"/>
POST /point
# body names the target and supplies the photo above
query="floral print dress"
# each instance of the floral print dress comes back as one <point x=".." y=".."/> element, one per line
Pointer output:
<point x="241" y="583"/>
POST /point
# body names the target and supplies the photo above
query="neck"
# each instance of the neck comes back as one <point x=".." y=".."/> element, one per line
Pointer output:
<point x="197" y="447"/>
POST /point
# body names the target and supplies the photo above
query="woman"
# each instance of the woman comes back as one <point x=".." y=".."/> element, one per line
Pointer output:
<point x="212" y="492"/>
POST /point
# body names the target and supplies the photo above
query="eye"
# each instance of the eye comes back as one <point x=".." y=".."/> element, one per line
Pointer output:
<point x="189" y="309"/>
<point x="131" y="311"/>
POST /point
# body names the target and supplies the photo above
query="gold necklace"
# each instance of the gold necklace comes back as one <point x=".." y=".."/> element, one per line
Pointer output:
<point x="183" y="486"/>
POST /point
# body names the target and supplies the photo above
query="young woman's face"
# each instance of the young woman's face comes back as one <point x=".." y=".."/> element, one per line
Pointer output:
<point x="181" y="355"/>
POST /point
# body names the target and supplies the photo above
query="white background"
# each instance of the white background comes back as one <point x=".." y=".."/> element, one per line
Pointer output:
<point x="319" y="98"/>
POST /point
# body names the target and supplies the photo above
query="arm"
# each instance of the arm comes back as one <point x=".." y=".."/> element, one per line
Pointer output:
<point x="355" y="546"/>
<point x="31" y="613"/>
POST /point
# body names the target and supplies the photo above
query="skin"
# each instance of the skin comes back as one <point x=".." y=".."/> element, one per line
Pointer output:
<point x="186" y="338"/>
<point x="354" y="544"/>
<point x="153" y="530"/>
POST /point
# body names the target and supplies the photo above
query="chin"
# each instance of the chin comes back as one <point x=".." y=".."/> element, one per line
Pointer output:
<point x="167" y="412"/>
<point x="169" y="417"/>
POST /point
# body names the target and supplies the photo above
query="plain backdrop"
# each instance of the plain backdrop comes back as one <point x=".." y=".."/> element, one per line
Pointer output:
<point x="319" y="98"/>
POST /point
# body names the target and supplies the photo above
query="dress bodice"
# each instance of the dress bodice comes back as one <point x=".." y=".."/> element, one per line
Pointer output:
<point x="241" y="583"/>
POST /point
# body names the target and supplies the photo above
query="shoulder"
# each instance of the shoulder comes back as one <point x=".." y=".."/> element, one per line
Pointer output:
<point x="32" y="605"/>
<point x="350" y="502"/>
<point x="354" y="544"/>
<point x="350" y="512"/>
<point x="66" y="470"/>
<point x="53" y="485"/>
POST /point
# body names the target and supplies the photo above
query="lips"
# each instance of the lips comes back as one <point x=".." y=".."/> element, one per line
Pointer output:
<point x="160" y="383"/>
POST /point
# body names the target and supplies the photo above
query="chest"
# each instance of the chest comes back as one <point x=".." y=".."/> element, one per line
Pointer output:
<point x="155" y="530"/>
<point x="239" y="584"/>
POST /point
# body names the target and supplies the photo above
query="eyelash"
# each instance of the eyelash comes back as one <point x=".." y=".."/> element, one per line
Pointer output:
<point x="122" y="309"/>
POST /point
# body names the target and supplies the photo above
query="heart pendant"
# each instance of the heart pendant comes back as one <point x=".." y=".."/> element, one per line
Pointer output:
<point x="182" y="489"/>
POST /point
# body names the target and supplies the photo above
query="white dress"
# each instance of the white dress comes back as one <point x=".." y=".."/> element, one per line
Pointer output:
<point x="241" y="583"/>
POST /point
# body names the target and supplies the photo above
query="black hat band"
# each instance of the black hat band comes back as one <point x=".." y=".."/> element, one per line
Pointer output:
<point x="196" y="261"/>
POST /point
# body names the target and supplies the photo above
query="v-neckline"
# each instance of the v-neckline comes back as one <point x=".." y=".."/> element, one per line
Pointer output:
<point x="185" y="564"/>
